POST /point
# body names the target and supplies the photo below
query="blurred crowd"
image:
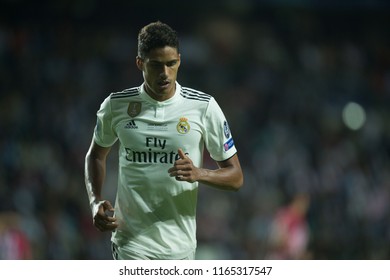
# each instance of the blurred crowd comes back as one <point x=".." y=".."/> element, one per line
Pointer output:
<point x="314" y="188"/>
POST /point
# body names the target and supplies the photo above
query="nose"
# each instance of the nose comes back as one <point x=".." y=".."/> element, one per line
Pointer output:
<point x="164" y="72"/>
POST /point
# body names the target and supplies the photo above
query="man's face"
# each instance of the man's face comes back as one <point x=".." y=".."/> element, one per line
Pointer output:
<point x="159" y="69"/>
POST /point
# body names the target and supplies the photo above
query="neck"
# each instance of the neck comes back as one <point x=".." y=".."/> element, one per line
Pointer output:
<point x="160" y="96"/>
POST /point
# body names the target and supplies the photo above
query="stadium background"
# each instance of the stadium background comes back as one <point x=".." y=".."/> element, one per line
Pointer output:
<point x="283" y="71"/>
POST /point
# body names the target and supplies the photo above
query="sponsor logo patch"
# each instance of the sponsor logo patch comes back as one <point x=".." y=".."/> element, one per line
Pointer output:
<point x="228" y="144"/>
<point x="131" y="125"/>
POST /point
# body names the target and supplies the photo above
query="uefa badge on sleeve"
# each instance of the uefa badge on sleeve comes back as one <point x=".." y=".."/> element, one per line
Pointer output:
<point x="226" y="129"/>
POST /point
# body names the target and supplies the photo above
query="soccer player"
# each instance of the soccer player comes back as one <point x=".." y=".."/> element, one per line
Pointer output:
<point x="162" y="128"/>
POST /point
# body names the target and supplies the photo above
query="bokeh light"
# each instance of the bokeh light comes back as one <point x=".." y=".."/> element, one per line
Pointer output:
<point x="354" y="115"/>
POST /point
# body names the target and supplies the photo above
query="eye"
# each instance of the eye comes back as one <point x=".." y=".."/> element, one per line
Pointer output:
<point x="172" y="63"/>
<point x="154" y="64"/>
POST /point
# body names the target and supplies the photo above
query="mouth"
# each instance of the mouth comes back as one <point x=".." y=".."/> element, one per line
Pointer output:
<point x="164" y="84"/>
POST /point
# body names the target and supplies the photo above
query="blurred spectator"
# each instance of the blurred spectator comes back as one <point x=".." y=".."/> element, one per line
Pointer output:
<point x="14" y="244"/>
<point x="289" y="233"/>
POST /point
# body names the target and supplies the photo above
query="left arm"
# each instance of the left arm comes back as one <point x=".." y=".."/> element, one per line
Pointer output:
<point x="227" y="177"/>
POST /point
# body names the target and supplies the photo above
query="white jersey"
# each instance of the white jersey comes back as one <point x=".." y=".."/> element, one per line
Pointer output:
<point x="155" y="212"/>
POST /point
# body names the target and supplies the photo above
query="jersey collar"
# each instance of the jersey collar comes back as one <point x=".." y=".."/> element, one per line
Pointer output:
<point x="146" y="96"/>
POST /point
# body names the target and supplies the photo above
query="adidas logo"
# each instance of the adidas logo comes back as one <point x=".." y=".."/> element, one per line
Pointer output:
<point x="131" y="125"/>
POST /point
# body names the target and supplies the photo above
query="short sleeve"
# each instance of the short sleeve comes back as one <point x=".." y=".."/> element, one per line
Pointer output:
<point x="218" y="137"/>
<point x="104" y="134"/>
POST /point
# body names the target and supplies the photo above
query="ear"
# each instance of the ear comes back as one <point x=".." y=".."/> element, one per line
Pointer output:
<point x="179" y="60"/>
<point x="139" y="62"/>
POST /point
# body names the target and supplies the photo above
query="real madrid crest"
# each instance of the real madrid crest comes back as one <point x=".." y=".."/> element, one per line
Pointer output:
<point x="134" y="109"/>
<point x="183" y="126"/>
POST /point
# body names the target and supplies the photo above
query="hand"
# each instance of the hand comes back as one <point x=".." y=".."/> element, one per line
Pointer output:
<point x="183" y="169"/>
<point x="101" y="220"/>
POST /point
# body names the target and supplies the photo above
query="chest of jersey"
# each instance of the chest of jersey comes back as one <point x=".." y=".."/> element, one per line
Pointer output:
<point x="150" y="133"/>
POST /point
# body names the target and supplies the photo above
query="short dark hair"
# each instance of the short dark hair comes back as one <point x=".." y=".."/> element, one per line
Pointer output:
<point x="156" y="35"/>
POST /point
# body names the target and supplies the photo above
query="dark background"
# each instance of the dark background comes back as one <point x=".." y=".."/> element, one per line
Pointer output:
<point x="281" y="70"/>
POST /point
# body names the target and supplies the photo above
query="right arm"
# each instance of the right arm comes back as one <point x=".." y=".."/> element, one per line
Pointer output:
<point x="94" y="174"/>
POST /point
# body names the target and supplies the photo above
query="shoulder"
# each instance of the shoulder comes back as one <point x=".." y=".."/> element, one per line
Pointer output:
<point x="126" y="93"/>
<point x="117" y="100"/>
<point x="193" y="94"/>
